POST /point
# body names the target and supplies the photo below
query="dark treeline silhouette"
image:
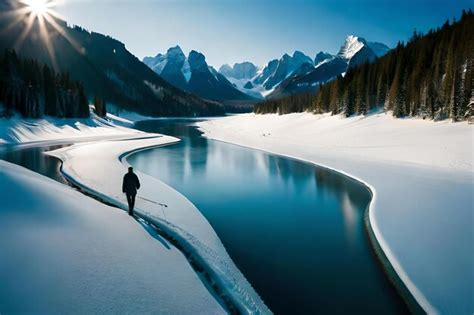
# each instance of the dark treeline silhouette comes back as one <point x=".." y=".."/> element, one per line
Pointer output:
<point x="100" y="106"/>
<point x="34" y="89"/>
<point x="431" y="77"/>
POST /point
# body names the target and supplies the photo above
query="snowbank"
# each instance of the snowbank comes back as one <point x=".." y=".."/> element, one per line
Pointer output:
<point x="421" y="174"/>
<point x="377" y="137"/>
<point x="97" y="169"/>
<point x="124" y="118"/>
<point x="63" y="252"/>
<point x="17" y="130"/>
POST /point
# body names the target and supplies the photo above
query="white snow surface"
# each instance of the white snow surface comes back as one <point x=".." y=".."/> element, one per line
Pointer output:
<point x="421" y="175"/>
<point x="324" y="61"/>
<point x="257" y="91"/>
<point x="18" y="130"/>
<point x="65" y="253"/>
<point x="96" y="168"/>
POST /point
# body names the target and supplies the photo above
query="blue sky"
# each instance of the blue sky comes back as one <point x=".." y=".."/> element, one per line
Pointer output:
<point x="229" y="31"/>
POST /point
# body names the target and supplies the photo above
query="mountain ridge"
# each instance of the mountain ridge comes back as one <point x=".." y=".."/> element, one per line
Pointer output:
<point x="193" y="74"/>
<point x="298" y="73"/>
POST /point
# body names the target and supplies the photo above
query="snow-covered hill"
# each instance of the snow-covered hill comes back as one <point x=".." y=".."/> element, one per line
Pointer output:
<point x="64" y="252"/>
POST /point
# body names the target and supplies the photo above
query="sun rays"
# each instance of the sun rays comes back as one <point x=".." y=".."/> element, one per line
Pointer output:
<point x="39" y="7"/>
<point x="39" y="16"/>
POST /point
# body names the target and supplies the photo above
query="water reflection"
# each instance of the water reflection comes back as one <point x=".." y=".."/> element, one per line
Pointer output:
<point x="35" y="159"/>
<point x="296" y="231"/>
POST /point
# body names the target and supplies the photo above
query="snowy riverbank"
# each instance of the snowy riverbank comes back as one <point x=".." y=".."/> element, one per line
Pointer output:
<point x="421" y="174"/>
<point x="64" y="252"/>
<point x="97" y="168"/>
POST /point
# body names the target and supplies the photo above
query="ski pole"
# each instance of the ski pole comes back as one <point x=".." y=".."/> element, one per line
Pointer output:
<point x="156" y="203"/>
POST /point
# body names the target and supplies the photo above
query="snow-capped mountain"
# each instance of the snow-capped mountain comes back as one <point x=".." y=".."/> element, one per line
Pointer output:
<point x="353" y="52"/>
<point x="362" y="55"/>
<point x="351" y="46"/>
<point x="258" y="83"/>
<point x="287" y="66"/>
<point x="193" y="74"/>
<point x="240" y="71"/>
<point x="172" y="66"/>
<point x="300" y="73"/>
<point x="246" y="82"/>
<point x="265" y="80"/>
<point x="241" y="76"/>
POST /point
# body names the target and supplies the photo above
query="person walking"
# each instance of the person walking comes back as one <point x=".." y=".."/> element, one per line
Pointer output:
<point x="130" y="186"/>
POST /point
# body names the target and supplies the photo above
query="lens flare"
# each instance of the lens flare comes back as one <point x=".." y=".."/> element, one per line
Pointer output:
<point x="39" y="7"/>
<point x="39" y="16"/>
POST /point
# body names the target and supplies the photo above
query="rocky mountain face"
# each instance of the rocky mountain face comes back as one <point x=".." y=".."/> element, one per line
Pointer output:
<point x="287" y="66"/>
<point x="193" y="74"/>
<point x="172" y="66"/>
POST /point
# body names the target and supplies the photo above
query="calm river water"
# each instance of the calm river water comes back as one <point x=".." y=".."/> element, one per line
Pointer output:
<point x="296" y="231"/>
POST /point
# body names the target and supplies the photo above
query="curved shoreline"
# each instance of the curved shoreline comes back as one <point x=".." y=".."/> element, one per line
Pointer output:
<point x="218" y="273"/>
<point x="376" y="241"/>
<point x="416" y="302"/>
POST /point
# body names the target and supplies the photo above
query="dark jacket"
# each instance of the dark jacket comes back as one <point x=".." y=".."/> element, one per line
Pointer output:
<point x="130" y="184"/>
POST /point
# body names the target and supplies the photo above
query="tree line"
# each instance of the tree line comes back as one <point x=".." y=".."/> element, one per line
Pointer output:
<point x="431" y="76"/>
<point x="33" y="90"/>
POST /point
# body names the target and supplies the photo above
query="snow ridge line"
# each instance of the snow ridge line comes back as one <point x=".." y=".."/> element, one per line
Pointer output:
<point x="217" y="272"/>
<point x="413" y="297"/>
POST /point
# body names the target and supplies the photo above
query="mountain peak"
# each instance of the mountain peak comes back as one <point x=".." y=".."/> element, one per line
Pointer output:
<point x="351" y="46"/>
<point x="176" y="50"/>
<point x="298" y="53"/>
<point x="299" y="58"/>
<point x="226" y="70"/>
<point x="321" y="56"/>
<point x="197" y="61"/>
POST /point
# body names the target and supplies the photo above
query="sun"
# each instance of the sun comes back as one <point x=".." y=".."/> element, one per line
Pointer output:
<point x="39" y="7"/>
